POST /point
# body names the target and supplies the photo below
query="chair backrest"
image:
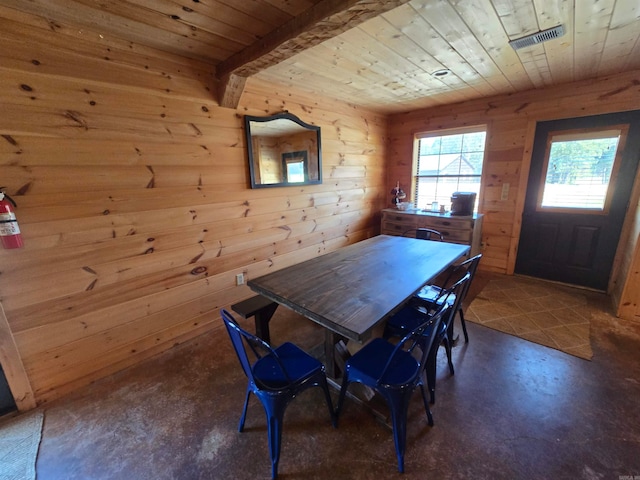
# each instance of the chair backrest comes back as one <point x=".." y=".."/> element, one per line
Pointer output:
<point x="473" y="265"/>
<point x="469" y="266"/>
<point x="424" y="234"/>
<point x="259" y="348"/>
<point x="416" y="337"/>
<point x="457" y="292"/>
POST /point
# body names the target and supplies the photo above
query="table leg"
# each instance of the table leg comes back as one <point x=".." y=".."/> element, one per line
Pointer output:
<point x="335" y="354"/>
<point x="330" y="340"/>
<point x="261" y="319"/>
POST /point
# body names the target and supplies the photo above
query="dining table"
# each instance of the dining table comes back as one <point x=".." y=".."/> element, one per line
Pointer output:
<point x="355" y="288"/>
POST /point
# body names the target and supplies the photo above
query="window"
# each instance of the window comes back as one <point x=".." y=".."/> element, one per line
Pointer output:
<point x="295" y="166"/>
<point x="446" y="164"/>
<point x="579" y="168"/>
<point x="295" y="172"/>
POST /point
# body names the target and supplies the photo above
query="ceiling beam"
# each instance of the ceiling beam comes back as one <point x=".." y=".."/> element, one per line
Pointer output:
<point x="319" y="23"/>
<point x="230" y="88"/>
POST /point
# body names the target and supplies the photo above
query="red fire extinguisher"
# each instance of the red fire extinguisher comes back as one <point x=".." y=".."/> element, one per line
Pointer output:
<point x="9" y="230"/>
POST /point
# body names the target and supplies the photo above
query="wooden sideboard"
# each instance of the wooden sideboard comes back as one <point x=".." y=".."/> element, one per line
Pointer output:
<point x="455" y="229"/>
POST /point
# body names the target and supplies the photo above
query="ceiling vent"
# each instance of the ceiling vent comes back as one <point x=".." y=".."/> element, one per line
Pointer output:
<point x="537" y="38"/>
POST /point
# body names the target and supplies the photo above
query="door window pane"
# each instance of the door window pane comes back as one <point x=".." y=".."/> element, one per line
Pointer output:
<point x="579" y="169"/>
<point x="295" y="172"/>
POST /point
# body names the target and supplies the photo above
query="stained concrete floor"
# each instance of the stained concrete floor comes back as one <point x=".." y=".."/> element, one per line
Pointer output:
<point x="513" y="410"/>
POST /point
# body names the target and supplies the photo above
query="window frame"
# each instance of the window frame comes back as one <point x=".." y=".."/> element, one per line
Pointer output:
<point x="417" y="136"/>
<point x="576" y="134"/>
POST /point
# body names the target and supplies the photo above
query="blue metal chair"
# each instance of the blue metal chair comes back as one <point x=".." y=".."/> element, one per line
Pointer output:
<point x="394" y="372"/>
<point x="431" y="293"/>
<point x="276" y="377"/>
<point x="413" y="315"/>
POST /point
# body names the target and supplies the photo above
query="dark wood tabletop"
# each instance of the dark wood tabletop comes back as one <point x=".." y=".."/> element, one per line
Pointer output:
<point x="351" y="290"/>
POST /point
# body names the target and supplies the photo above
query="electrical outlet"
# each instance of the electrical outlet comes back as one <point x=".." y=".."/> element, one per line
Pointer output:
<point x="240" y="279"/>
<point x="505" y="191"/>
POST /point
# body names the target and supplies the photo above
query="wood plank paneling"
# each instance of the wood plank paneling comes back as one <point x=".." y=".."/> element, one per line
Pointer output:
<point x="625" y="286"/>
<point x="132" y="183"/>
<point x="134" y="200"/>
<point x="385" y="63"/>
<point x="510" y="121"/>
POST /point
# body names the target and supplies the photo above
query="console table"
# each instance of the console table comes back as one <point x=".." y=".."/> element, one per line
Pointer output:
<point x="455" y="229"/>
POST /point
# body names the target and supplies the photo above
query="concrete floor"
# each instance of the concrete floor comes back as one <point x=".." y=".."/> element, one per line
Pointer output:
<point x="513" y="410"/>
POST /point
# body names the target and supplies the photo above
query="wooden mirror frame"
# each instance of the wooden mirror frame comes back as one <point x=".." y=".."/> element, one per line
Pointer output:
<point x="288" y="134"/>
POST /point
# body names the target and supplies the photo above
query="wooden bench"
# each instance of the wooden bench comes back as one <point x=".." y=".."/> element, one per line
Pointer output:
<point x="262" y="309"/>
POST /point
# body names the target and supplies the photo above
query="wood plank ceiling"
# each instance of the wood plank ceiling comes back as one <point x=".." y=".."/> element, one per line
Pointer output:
<point x="377" y="54"/>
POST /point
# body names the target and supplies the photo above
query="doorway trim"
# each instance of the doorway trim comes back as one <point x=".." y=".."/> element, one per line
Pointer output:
<point x="521" y="196"/>
<point x="13" y="367"/>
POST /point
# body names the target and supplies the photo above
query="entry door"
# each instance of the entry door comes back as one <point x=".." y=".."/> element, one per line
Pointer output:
<point x="581" y="177"/>
<point x="7" y="404"/>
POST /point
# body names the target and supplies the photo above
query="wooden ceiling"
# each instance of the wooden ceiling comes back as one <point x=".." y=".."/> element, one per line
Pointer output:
<point x="377" y="54"/>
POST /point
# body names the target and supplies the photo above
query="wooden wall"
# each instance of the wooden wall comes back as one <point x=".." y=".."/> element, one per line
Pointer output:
<point x="510" y="120"/>
<point x="626" y="292"/>
<point x="134" y="201"/>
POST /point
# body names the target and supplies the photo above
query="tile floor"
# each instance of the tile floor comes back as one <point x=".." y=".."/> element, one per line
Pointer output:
<point x="513" y="410"/>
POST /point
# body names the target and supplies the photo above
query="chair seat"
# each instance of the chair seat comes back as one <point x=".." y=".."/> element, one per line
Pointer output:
<point x="407" y="319"/>
<point x="368" y="365"/>
<point x="431" y="293"/>
<point x="298" y="364"/>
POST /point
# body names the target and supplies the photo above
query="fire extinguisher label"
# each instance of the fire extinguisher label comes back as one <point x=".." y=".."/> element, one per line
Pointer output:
<point x="8" y="225"/>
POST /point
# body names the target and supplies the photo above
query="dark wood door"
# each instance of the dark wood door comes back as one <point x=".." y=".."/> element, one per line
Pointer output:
<point x="574" y="239"/>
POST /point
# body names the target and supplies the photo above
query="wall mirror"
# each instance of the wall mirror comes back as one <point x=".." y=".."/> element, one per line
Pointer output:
<point x="283" y="151"/>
